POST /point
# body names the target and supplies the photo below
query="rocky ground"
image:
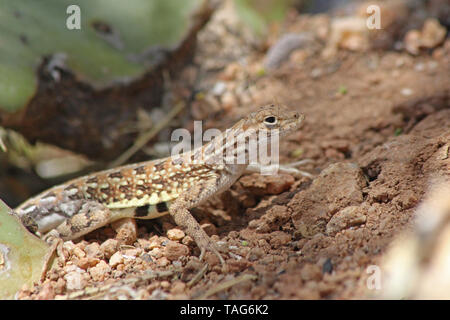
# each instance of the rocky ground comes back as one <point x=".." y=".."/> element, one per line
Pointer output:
<point x="377" y="130"/>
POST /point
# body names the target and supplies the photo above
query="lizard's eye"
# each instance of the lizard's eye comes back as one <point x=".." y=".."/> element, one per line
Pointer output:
<point x="270" y="120"/>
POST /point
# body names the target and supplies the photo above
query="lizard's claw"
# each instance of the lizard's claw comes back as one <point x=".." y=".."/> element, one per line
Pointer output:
<point x="55" y="247"/>
<point x="211" y="246"/>
<point x="51" y="236"/>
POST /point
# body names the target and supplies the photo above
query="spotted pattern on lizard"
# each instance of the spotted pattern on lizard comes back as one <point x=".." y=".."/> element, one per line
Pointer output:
<point x="150" y="189"/>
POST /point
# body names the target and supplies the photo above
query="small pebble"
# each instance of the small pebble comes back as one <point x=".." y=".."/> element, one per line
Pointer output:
<point x="327" y="266"/>
<point x="78" y="252"/>
<point x="229" y="101"/>
<point x="47" y="292"/>
<point x="93" y="250"/>
<point x="316" y="72"/>
<point x="116" y="259"/>
<point x="419" y="66"/>
<point x="231" y="71"/>
<point x="279" y="238"/>
<point x="310" y="272"/>
<point x="109" y="247"/>
<point x="146" y="257"/>
<point x="174" y="250"/>
<point x="126" y="230"/>
<point x="188" y="241"/>
<point x="144" y="244"/>
<point x="347" y="217"/>
<point x="153" y="245"/>
<point x="162" y="262"/>
<point x="175" y="234"/>
<point x="156" y="252"/>
<point x="406" y="91"/>
<point x="255" y="254"/>
<point x="132" y="252"/>
<point x="74" y="281"/>
<point x="219" y="88"/>
<point x="87" y="262"/>
<point x="178" y="287"/>
<point x="100" y="271"/>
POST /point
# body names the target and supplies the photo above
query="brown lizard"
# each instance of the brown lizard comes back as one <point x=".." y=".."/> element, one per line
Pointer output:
<point x="151" y="189"/>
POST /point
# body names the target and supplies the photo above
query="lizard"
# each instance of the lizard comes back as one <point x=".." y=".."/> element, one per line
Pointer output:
<point x="150" y="189"/>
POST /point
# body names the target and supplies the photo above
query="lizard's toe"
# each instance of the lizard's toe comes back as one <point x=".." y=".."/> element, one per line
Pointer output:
<point x="212" y="247"/>
<point x="290" y="168"/>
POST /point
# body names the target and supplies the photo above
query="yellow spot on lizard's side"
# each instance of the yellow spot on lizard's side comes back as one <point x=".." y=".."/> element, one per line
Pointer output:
<point x="154" y="198"/>
<point x="164" y="196"/>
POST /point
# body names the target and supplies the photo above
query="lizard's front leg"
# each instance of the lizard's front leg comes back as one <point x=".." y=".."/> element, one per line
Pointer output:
<point x="179" y="210"/>
<point x="289" y="168"/>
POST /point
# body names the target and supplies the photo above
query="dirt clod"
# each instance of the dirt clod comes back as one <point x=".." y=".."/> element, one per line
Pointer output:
<point x="347" y="217"/>
<point x="175" y="250"/>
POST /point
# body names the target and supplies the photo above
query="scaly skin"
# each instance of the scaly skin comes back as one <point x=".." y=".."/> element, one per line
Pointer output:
<point x="151" y="189"/>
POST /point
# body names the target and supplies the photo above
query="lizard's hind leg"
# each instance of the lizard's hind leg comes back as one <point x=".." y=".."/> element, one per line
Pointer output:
<point x="91" y="216"/>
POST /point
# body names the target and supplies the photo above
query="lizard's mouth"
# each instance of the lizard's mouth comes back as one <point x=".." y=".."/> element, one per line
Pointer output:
<point x="292" y="125"/>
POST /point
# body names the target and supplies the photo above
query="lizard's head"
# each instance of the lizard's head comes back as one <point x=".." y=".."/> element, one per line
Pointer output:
<point x="261" y="128"/>
<point x="273" y="118"/>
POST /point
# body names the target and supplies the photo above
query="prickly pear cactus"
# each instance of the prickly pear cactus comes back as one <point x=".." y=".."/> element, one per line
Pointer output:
<point x="100" y="41"/>
<point x="74" y="73"/>
<point x="21" y="255"/>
